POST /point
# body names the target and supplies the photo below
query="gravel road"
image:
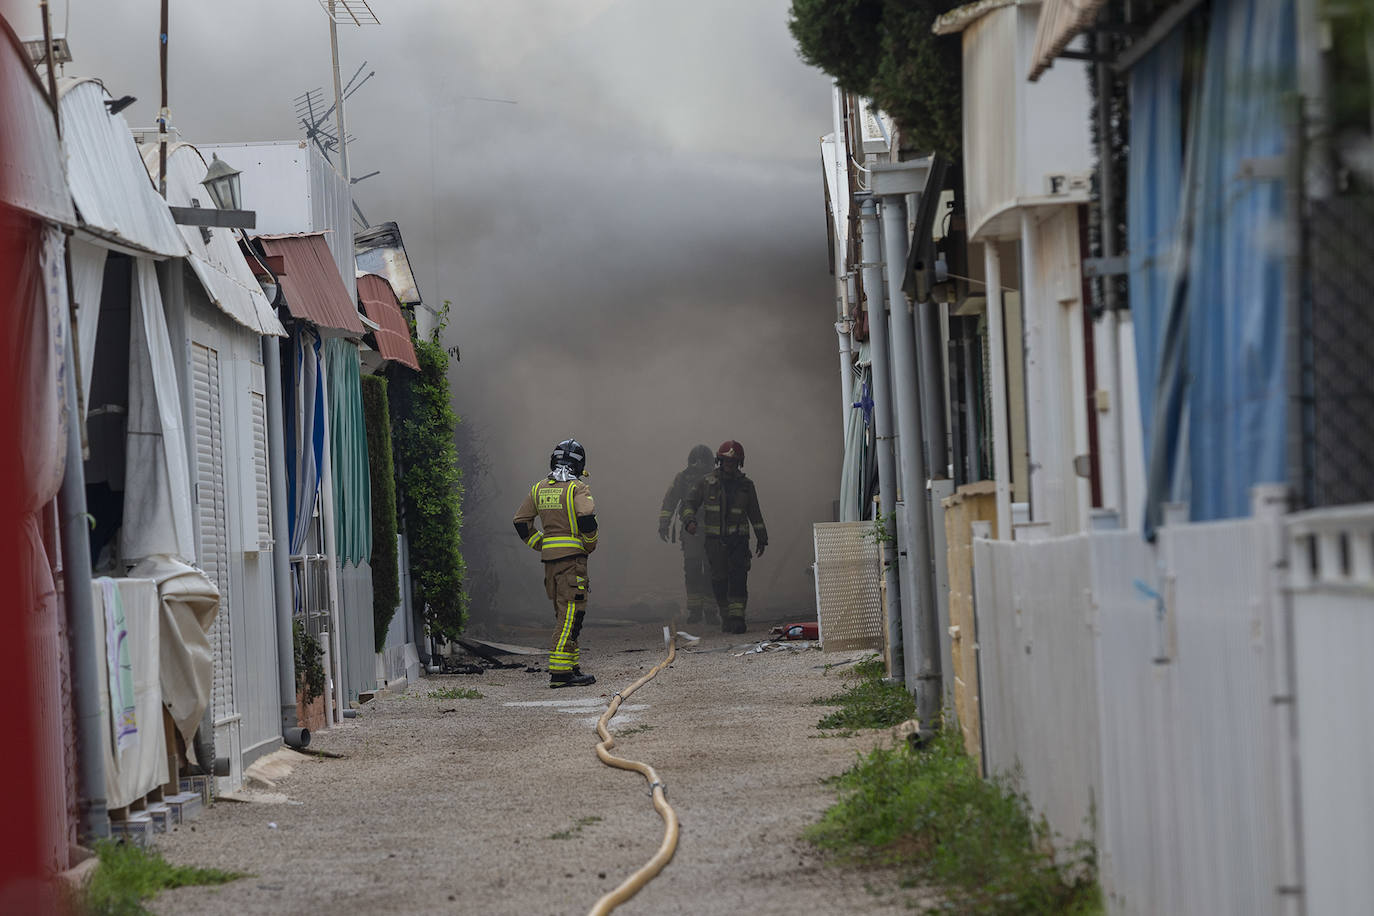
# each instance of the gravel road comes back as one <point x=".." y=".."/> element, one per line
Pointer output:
<point x="499" y="805"/>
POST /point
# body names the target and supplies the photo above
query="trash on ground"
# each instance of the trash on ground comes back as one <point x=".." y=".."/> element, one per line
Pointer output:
<point x="805" y="630"/>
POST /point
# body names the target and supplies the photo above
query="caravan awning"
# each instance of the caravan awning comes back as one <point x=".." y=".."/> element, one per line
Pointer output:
<point x="311" y="282"/>
<point x="116" y="199"/>
<point x="31" y="177"/>
<point x="1061" y="21"/>
<point x="218" y="263"/>
<point x="379" y="301"/>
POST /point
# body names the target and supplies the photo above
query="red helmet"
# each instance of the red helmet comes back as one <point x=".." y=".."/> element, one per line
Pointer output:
<point x="731" y="449"/>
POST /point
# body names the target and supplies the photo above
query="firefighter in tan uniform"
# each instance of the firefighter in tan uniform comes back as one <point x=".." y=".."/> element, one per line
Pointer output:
<point x="563" y="504"/>
<point x="696" y="573"/>
<point x="726" y="504"/>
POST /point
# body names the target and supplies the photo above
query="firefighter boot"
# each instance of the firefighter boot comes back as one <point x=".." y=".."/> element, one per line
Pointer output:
<point x="570" y="679"/>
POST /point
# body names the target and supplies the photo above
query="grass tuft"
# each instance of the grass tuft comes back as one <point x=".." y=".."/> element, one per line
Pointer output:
<point x="455" y="693"/>
<point x="869" y="703"/>
<point x="129" y="874"/>
<point x="575" y="829"/>
<point x="931" y="814"/>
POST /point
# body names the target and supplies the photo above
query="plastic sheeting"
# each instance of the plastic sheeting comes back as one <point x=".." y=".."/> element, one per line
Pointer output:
<point x="348" y="453"/>
<point x="855" y="477"/>
<point x="139" y="765"/>
<point x="157" y="487"/>
<point x="187" y="602"/>
<point x="304" y="434"/>
<point x="1209" y="332"/>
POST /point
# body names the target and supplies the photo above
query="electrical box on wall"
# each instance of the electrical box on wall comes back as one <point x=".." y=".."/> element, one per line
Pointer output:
<point x="1068" y="183"/>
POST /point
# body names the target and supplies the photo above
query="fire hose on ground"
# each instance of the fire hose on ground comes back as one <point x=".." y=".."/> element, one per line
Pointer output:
<point x="631" y="885"/>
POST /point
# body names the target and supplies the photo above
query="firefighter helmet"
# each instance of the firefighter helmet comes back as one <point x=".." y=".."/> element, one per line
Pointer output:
<point x="730" y="449"/>
<point x="700" y="454"/>
<point x="571" y="454"/>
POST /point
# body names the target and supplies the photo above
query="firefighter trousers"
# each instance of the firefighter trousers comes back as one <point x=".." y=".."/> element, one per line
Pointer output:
<point x="730" y="560"/>
<point x="696" y="576"/>
<point x="565" y="582"/>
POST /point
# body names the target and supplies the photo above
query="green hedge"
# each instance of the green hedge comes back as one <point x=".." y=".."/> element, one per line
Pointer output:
<point x="386" y="586"/>
<point x="431" y="487"/>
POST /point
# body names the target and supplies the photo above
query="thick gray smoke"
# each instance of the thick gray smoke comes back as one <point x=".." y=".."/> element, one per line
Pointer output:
<point x="635" y="250"/>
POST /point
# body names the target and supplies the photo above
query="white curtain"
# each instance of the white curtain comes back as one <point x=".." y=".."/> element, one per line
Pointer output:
<point x="88" y="279"/>
<point x="157" y="486"/>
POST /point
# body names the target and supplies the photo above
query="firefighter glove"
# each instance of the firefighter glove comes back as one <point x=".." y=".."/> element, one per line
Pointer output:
<point x="663" y="530"/>
<point x="758" y="551"/>
<point x="690" y="527"/>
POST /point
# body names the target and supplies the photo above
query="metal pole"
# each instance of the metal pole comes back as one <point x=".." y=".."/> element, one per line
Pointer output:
<point x="338" y="93"/>
<point x="1301" y="469"/>
<point x="920" y="639"/>
<point x="331" y="556"/>
<point x="76" y="584"/>
<point x="162" y="112"/>
<point x="882" y="425"/>
<point x="997" y="363"/>
<point x="281" y="546"/>
<point x="842" y="331"/>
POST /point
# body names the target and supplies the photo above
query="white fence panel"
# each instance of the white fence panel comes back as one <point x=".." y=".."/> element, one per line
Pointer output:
<point x="1224" y="784"/>
<point x="1040" y="676"/>
<point x="1332" y="579"/>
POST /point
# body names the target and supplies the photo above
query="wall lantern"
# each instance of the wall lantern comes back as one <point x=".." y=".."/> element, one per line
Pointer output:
<point x="222" y="181"/>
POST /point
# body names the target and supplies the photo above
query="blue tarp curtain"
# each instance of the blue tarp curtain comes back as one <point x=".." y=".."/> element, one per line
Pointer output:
<point x="1207" y="271"/>
<point x="304" y="433"/>
<point x="348" y="452"/>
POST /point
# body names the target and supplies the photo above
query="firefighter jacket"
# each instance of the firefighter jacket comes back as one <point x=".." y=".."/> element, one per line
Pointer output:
<point x="724" y="507"/>
<point x="558" y="506"/>
<point x="676" y="497"/>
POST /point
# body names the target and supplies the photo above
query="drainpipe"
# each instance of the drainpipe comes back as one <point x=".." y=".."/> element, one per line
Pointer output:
<point x="882" y="424"/>
<point x="1111" y="435"/>
<point x="920" y="640"/>
<point x="76" y="584"/>
<point x="997" y="363"/>
<point x="292" y="734"/>
<point x="842" y="331"/>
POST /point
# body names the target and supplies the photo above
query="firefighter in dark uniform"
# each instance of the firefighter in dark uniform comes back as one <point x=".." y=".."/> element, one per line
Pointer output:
<point x="563" y="504"/>
<point x="696" y="573"/>
<point x="723" y="504"/>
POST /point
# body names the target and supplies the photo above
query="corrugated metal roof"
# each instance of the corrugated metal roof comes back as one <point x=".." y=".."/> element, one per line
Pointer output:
<point x="380" y="250"/>
<point x="1061" y="21"/>
<point x="114" y="196"/>
<point x="311" y="283"/>
<point x="393" y="334"/>
<point x="227" y="278"/>
<point x="31" y="174"/>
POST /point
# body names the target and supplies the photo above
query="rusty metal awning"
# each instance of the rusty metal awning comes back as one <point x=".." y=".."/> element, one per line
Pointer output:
<point x="379" y="301"/>
<point x="1061" y="21"/>
<point x="311" y="284"/>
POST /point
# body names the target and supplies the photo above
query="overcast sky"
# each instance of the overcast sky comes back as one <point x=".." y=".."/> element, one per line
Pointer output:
<point x="635" y="250"/>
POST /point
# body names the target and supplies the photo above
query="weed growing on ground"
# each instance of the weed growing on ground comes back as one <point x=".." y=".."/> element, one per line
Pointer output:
<point x="633" y="730"/>
<point x="455" y="693"/>
<point x="575" y="829"/>
<point x="129" y="874"/>
<point x="870" y="703"/>
<point x="930" y="813"/>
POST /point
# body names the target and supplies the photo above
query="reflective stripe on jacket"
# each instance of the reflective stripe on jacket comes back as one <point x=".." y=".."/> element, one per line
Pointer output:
<point x="557" y="506"/>
<point x="724" y="507"/>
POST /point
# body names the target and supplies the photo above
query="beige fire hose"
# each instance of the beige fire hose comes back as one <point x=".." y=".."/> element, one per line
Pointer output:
<point x="631" y="885"/>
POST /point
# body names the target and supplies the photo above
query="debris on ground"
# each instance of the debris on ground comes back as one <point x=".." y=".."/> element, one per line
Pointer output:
<point x="774" y="645"/>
